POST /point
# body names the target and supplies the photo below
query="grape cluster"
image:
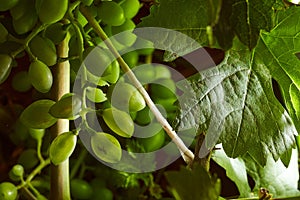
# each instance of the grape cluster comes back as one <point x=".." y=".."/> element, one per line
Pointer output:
<point x="37" y="28"/>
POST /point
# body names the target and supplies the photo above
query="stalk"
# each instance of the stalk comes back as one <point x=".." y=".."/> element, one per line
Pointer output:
<point x="187" y="155"/>
<point x="60" y="184"/>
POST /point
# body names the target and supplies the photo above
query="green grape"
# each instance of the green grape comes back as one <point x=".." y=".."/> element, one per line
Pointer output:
<point x="126" y="37"/>
<point x="95" y="95"/>
<point x="130" y="7"/>
<point x="3" y="33"/>
<point x="144" y="116"/>
<point x="28" y="159"/>
<point x="106" y="147"/>
<point x="111" y="13"/>
<point x="145" y="73"/>
<point x="36" y="115"/>
<point x="103" y="192"/>
<point x="44" y="49"/>
<point x="57" y="32"/>
<point x="8" y="191"/>
<point x="40" y="76"/>
<point x="80" y="189"/>
<point x="131" y="58"/>
<point x="97" y="60"/>
<point x="87" y="2"/>
<point x="163" y="88"/>
<point x="126" y="97"/>
<point x="24" y="16"/>
<point x="154" y="142"/>
<point x="21" y="82"/>
<point x="168" y="104"/>
<point x="143" y="47"/>
<point x="18" y="170"/>
<point x="5" y="66"/>
<point x="66" y="108"/>
<point x="118" y="121"/>
<point x="7" y="4"/>
<point x="51" y="11"/>
<point x="36" y="134"/>
<point x="20" y="133"/>
<point x="111" y="73"/>
<point x="162" y="71"/>
<point x="62" y="147"/>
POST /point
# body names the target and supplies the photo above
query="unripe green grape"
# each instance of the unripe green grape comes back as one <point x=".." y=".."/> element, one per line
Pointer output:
<point x="56" y="32"/>
<point x="111" y="13"/>
<point x="87" y="2"/>
<point x="126" y="97"/>
<point x="162" y="71"/>
<point x="51" y="11"/>
<point x="3" y="33"/>
<point x="131" y="58"/>
<point x="7" y="4"/>
<point x="40" y="76"/>
<point x="80" y="189"/>
<point x="62" y="147"/>
<point x="44" y="49"/>
<point x="103" y="192"/>
<point x="24" y="16"/>
<point x="118" y="121"/>
<point x="168" y="103"/>
<point x="154" y="142"/>
<point x="95" y="95"/>
<point x="112" y="72"/>
<point x="36" y="115"/>
<point x="145" y="73"/>
<point x="28" y="159"/>
<point x="5" y="66"/>
<point x="18" y="170"/>
<point x="144" y="116"/>
<point x="21" y="82"/>
<point x="20" y="133"/>
<point x="97" y="60"/>
<point x="36" y="134"/>
<point x="66" y="108"/>
<point x="143" y="47"/>
<point x="130" y="7"/>
<point x="163" y="88"/>
<point x="8" y="191"/>
<point x="126" y="37"/>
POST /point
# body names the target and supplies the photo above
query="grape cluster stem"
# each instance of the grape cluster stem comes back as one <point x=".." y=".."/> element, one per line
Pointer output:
<point x="187" y="155"/>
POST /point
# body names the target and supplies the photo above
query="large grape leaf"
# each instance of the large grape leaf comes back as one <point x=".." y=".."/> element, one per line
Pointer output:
<point x="277" y="50"/>
<point x="235" y="104"/>
<point x="196" y="18"/>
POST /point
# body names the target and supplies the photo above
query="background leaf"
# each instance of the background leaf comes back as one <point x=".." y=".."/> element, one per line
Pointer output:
<point x="235" y="170"/>
<point x="234" y="103"/>
<point x="193" y="184"/>
<point x="277" y="50"/>
<point x="279" y="180"/>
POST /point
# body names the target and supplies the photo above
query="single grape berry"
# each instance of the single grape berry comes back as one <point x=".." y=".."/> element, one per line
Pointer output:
<point x="111" y="13"/>
<point x="8" y="191"/>
<point x="80" y="189"/>
<point x="18" y="170"/>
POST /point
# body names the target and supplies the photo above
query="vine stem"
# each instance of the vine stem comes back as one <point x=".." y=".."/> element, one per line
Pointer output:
<point x="187" y="155"/>
<point x="60" y="183"/>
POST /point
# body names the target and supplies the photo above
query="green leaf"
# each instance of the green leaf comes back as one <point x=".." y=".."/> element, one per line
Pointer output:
<point x="235" y="170"/>
<point x="184" y="187"/>
<point x="245" y="19"/>
<point x="279" y="180"/>
<point x="106" y="147"/>
<point x="186" y="16"/>
<point x="235" y="104"/>
<point x="277" y="50"/>
<point x="62" y="147"/>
